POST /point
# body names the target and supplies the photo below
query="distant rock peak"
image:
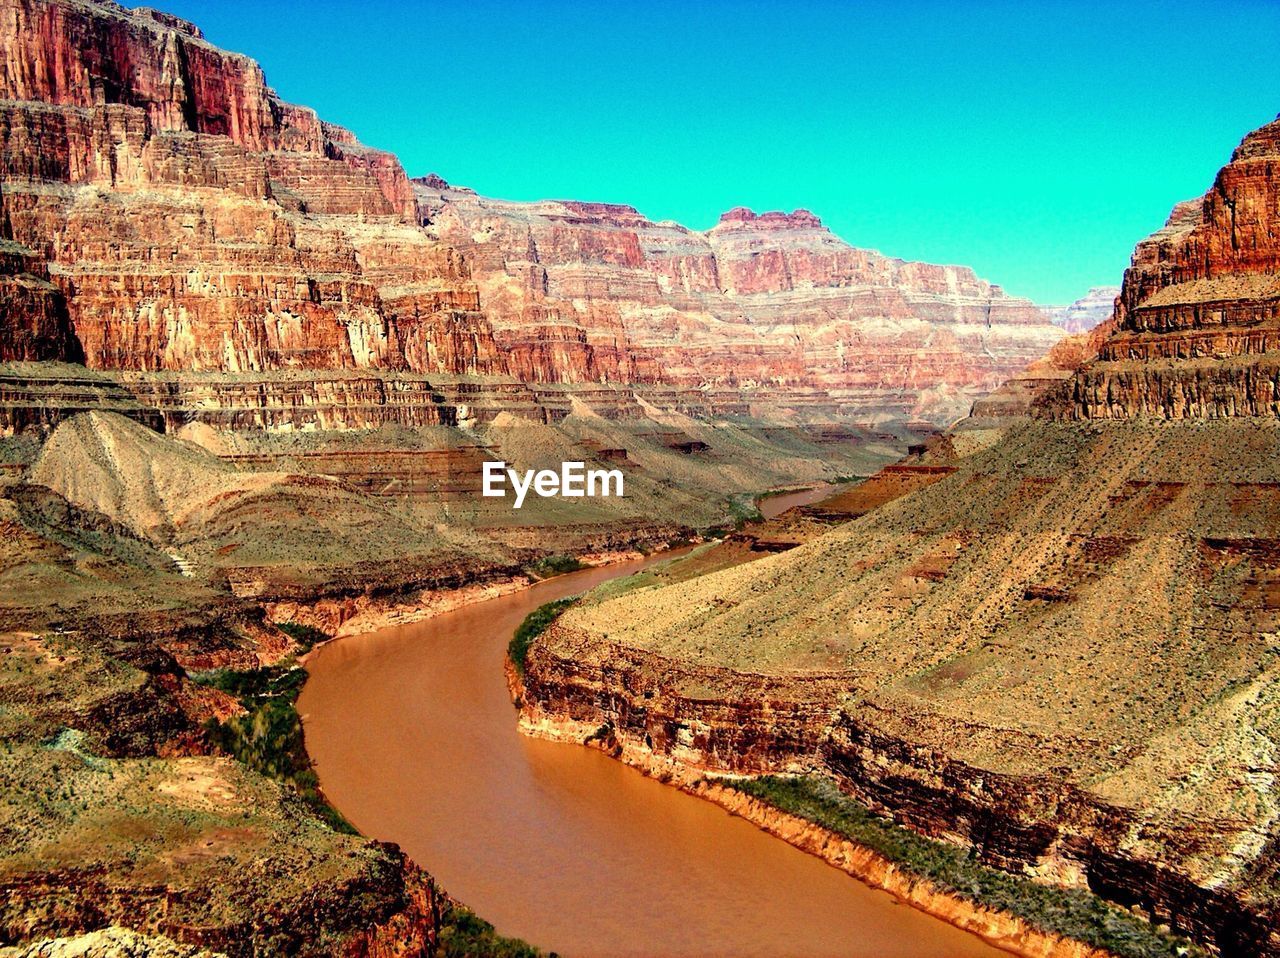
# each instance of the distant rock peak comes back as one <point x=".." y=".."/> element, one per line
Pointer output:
<point x="432" y="181"/>
<point x="774" y="219"/>
<point x="1196" y="329"/>
<point x="1087" y="312"/>
<point x="211" y="226"/>
<point x="167" y="20"/>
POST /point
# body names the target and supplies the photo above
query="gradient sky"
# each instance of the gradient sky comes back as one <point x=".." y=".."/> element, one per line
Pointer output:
<point x="1034" y="142"/>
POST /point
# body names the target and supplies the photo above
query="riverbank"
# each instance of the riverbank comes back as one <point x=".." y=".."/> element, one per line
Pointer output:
<point x="1002" y="928"/>
<point x="267" y="737"/>
<point x="1019" y="914"/>
<point x="360" y="614"/>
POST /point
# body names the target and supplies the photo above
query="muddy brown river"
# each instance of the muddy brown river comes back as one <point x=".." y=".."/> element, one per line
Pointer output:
<point x="415" y="741"/>
<point x="771" y="506"/>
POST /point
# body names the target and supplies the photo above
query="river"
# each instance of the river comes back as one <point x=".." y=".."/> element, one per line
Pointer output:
<point x="772" y="506"/>
<point x="415" y="741"/>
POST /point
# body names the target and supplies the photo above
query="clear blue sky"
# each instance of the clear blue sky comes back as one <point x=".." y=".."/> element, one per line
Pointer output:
<point x="1035" y="142"/>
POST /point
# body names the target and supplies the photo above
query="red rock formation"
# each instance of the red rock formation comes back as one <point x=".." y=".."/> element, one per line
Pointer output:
<point x="759" y="303"/>
<point x="192" y="221"/>
<point x="1197" y="324"/>
<point x="34" y="324"/>
<point x="168" y="189"/>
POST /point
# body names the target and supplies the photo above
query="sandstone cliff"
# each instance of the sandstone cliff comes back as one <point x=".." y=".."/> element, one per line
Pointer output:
<point x="773" y="305"/>
<point x="1196" y="323"/>
<point x="194" y="221"/>
<point x="164" y="211"/>
<point x="1095" y="307"/>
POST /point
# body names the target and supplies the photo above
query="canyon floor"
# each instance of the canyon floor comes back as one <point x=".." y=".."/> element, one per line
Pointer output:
<point x="1074" y="677"/>
<point x="249" y="372"/>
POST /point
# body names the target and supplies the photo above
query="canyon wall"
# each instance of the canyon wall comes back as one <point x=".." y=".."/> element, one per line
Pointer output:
<point x="1197" y="324"/>
<point x="192" y="221"/>
<point x="1095" y="307"/>
<point x="773" y="305"/>
<point x="163" y="211"/>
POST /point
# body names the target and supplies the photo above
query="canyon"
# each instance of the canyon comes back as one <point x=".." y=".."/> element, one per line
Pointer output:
<point x="1087" y="312"/>
<point x="250" y="371"/>
<point x="1049" y="635"/>
<point x="607" y="862"/>
<point x="182" y="248"/>
<point x="168" y="218"/>
<point x="757" y="304"/>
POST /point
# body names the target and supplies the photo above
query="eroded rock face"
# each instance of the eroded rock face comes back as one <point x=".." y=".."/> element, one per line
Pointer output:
<point x="589" y="291"/>
<point x="34" y="324"/>
<point x="179" y="217"/>
<point x="1197" y="325"/>
<point x="191" y="220"/>
<point x="1095" y="307"/>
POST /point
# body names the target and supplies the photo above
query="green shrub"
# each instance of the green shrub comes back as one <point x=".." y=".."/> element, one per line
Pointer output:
<point x="307" y="636"/>
<point x="534" y="624"/>
<point x="554" y="565"/>
<point x="743" y="509"/>
<point x="268" y="738"/>
<point x="1072" y="912"/>
<point x="464" y="934"/>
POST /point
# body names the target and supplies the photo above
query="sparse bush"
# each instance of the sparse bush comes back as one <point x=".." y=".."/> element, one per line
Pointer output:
<point x="554" y="565"/>
<point x="743" y="509"/>
<point x="307" y="636"/>
<point x="269" y="738"/>
<point x="464" y="934"/>
<point x="534" y="624"/>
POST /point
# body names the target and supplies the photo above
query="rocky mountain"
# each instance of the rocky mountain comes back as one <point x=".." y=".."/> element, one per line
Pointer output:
<point x="768" y="304"/>
<point x="163" y="211"/>
<point x="1094" y="307"/>
<point x="241" y="384"/>
<point x="1051" y="638"/>
<point x="1195" y="334"/>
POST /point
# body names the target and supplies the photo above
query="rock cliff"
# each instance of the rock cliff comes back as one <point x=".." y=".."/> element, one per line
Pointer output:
<point x="193" y="221"/>
<point x="1198" y="317"/>
<point x="771" y="304"/>
<point x="1095" y="307"/>
<point x="165" y="211"/>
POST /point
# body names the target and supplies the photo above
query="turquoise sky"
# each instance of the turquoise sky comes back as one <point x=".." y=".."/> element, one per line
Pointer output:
<point x="1034" y="142"/>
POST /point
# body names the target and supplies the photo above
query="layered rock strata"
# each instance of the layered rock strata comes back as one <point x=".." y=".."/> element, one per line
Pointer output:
<point x="194" y="221"/>
<point x="1197" y="323"/>
<point x="761" y="303"/>
<point x="169" y="213"/>
<point x="1087" y="312"/>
